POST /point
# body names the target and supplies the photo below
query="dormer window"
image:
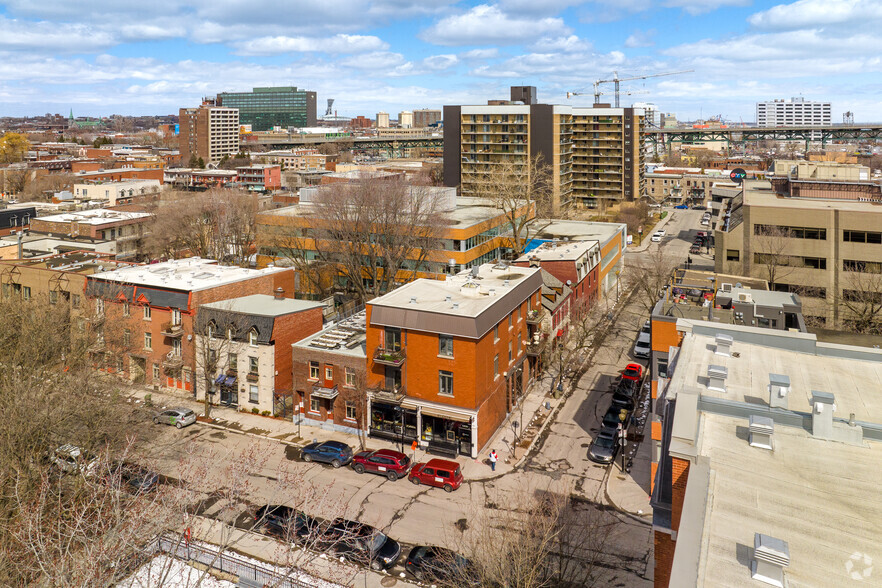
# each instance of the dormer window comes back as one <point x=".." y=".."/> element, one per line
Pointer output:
<point x="252" y="337"/>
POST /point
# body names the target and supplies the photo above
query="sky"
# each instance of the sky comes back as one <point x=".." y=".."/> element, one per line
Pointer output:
<point x="103" y="57"/>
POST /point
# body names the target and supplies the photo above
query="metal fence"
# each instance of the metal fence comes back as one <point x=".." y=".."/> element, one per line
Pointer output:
<point x="215" y="558"/>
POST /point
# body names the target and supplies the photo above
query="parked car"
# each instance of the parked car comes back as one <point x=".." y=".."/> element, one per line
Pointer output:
<point x="288" y="523"/>
<point x="642" y="346"/>
<point x="179" y="417"/>
<point x="682" y="207"/>
<point x="632" y="371"/>
<point x="386" y="462"/>
<point x="440" y="473"/>
<point x="333" y="452"/>
<point x="611" y="419"/>
<point x="71" y="459"/>
<point x="137" y="478"/>
<point x="695" y="250"/>
<point x="604" y="447"/>
<point x="361" y="543"/>
<point x="437" y="564"/>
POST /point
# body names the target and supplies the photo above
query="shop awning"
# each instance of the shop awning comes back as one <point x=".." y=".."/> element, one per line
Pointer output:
<point x="230" y="381"/>
<point x="326" y="393"/>
<point x="220" y="379"/>
<point x="445" y="414"/>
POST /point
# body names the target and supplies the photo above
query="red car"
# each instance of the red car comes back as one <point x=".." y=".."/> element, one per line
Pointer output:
<point x="386" y="462"/>
<point x="440" y="473"/>
<point x="632" y="371"/>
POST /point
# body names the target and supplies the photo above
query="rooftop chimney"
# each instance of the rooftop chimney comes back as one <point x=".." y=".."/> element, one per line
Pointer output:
<point x="779" y="387"/>
<point x="823" y="405"/>
<point x="770" y="557"/>
<point x="278" y="293"/>
<point x="761" y="430"/>
<point x="724" y="344"/>
<point x="716" y="377"/>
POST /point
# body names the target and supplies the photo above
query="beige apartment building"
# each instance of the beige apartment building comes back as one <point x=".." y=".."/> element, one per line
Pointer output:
<point x="825" y="244"/>
<point x="209" y="132"/>
<point x="594" y="154"/>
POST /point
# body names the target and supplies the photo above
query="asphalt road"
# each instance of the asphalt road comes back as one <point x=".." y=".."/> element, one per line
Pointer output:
<point x="272" y="472"/>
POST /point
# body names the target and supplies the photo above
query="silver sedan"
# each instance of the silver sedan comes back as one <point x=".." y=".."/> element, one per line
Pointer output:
<point x="179" y="417"/>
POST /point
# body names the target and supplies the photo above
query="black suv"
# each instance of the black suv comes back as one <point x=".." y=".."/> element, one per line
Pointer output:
<point x="437" y="564"/>
<point x="625" y="394"/>
<point x="287" y="523"/>
<point x="361" y="543"/>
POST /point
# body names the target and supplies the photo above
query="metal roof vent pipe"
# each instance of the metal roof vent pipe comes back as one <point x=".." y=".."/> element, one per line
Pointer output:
<point x="413" y="299"/>
<point x="823" y="406"/>
<point x="779" y="388"/>
<point x="724" y="344"/>
<point x="716" y="377"/>
<point x="770" y="557"/>
<point x="761" y="431"/>
<point x="279" y="293"/>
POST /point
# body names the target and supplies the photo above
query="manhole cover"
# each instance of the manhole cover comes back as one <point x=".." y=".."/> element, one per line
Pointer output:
<point x="388" y="581"/>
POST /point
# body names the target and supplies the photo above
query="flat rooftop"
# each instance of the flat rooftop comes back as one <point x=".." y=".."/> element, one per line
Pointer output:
<point x="856" y="383"/>
<point x="759" y="193"/>
<point x="346" y="337"/>
<point x="472" y="294"/>
<point x="821" y="497"/>
<point x="264" y="305"/>
<point x="95" y="217"/>
<point x="560" y="251"/>
<point x="190" y="274"/>
<point x="578" y="230"/>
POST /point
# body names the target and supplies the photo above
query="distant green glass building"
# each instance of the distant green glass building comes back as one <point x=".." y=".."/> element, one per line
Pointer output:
<point x="265" y="108"/>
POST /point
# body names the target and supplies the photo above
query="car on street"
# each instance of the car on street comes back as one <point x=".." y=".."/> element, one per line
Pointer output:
<point x="682" y="207"/>
<point x="179" y="417"/>
<point x="71" y="459"/>
<point x="695" y="250"/>
<point x="287" y="523"/>
<point x="437" y="564"/>
<point x="386" y="462"/>
<point x="441" y="473"/>
<point x="632" y="371"/>
<point x="333" y="452"/>
<point x="361" y="543"/>
<point x="655" y="238"/>
<point x="137" y="478"/>
<point x="604" y="447"/>
<point x="612" y="418"/>
<point x="642" y="346"/>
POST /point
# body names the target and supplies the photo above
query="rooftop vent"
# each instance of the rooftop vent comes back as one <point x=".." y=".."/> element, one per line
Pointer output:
<point x="779" y="387"/>
<point x="456" y="306"/>
<point x="413" y="299"/>
<point x="770" y="557"/>
<point x="823" y="406"/>
<point x="724" y="344"/>
<point x="761" y="430"/>
<point x="448" y="298"/>
<point x="279" y="293"/>
<point x="716" y="376"/>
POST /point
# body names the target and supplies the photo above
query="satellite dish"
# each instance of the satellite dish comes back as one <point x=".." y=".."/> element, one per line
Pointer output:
<point x="737" y="284"/>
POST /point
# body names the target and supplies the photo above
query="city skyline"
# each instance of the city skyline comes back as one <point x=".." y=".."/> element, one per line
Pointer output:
<point x="100" y="58"/>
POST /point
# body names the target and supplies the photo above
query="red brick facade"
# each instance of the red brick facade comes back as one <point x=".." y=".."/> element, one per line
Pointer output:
<point x="334" y="411"/>
<point x="664" y="544"/>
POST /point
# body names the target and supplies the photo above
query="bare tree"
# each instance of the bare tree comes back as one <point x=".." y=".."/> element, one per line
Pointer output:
<point x="374" y="233"/>
<point x="569" y="352"/>
<point x="634" y="215"/>
<point x="533" y="538"/>
<point x="217" y="224"/>
<point x="861" y="300"/>
<point x="770" y="246"/>
<point x="649" y="274"/>
<point x="523" y="190"/>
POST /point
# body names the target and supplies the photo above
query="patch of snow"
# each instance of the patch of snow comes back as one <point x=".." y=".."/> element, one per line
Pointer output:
<point x="166" y="572"/>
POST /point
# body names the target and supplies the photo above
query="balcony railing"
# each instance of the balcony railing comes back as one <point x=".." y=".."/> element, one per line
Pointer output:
<point x="173" y="360"/>
<point x="535" y="349"/>
<point x="171" y="329"/>
<point x="393" y="357"/>
<point x="534" y="317"/>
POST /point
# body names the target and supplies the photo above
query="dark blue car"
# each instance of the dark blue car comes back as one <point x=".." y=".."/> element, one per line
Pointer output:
<point x="333" y="452"/>
<point x="682" y="207"/>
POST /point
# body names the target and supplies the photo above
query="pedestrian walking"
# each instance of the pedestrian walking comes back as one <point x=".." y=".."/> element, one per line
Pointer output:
<point x="493" y="459"/>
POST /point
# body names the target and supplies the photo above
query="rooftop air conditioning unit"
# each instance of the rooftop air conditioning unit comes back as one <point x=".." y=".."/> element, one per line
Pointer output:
<point x="726" y="287"/>
<point x="745" y="297"/>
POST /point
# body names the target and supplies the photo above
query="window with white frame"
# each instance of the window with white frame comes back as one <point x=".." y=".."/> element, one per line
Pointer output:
<point x="350" y="410"/>
<point x="313" y="370"/>
<point x="253" y="394"/>
<point x="252" y="337"/>
<point x="314" y="405"/>
<point x="350" y="377"/>
<point x="147" y="313"/>
<point x="445" y="383"/>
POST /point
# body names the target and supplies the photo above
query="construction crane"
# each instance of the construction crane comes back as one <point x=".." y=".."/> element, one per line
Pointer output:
<point x="597" y="94"/>
<point x="616" y="79"/>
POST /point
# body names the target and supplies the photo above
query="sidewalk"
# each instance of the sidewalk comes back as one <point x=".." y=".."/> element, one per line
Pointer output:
<point x="629" y="492"/>
<point x="646" y="242"/>
<point x="285" y="431"/>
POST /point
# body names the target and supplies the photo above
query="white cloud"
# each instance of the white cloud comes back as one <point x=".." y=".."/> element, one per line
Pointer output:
<point x="567" y="44"/>
<point x="336" y="44"/>
<point x="817" y="13"/>
<point x="45" y="37"/>
<point x="702" y="6"/>
<point x="377" y="60"/>
<point x="641" y="39"/>
<point x="485" y="24"/>
<point x="440" y="62"/>
<point x="489" y="53"/>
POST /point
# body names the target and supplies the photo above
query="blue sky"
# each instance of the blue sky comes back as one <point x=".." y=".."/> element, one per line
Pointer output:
<point x="102" y="57"/>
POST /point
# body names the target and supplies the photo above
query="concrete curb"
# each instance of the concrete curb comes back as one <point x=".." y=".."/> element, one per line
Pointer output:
<point x="255" y="435"/>
<point x="644" y="245"/>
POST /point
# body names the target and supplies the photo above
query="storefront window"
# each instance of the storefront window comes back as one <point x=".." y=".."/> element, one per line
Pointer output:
<point x="386" y="421"/>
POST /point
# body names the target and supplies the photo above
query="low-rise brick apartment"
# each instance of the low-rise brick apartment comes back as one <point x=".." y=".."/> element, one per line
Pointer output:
<point x="124" y="228"/>
<point x="451" y="359"/>
<point x="156" y="305"/>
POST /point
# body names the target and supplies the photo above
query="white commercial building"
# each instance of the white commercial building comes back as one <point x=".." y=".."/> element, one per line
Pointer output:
<point x="405" y="119"/>
<point x="112" y="191"/>
<point x="793" y="112"/>
<point x="382" y="120"/>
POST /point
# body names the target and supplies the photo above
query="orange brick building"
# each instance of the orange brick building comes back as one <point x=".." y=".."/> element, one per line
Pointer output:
<point x="156" y="304"/>
<point x="447" y="361"/>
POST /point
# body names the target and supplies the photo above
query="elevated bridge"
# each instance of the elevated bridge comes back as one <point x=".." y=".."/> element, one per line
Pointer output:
<point x="825" y="134"/>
